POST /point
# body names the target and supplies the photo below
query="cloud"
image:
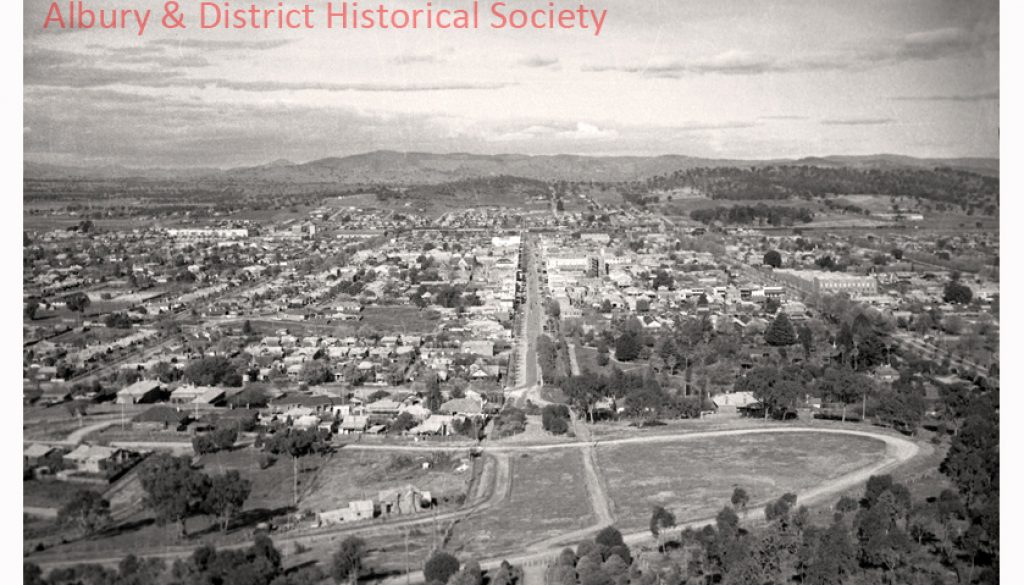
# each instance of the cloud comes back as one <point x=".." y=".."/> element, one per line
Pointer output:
<point x="703" y="126"/>
<point x="220" y="45"/>
<point x="55" y="68"/>
<point x="413" y="59"/>
<point x="538" y="62"/>
<point x="582" y="131"/>
<point x="585" y="131"/>
<point x="187" y="132"/>
<point x="973" y="97"/>
<point x="272" y="86"/>
<point x="782" y="117"/>
<point x="858" y="121"/>
<point x="920" y="46"/>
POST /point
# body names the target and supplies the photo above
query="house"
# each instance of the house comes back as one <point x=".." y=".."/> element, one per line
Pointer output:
<point x="187" y="394"/>
<point x="160" y="418"/>
<point x="478" y="347"/>
<point x="886" y="374"/>
<point x="354" y="424"/>
<point x="464" y="406"/>
<point x="355" y="511"/>
<point x="36" y="452"/>
<point x="141" y="392"/>
<point x="435" y="425"/>
<point x="97" y="458"/>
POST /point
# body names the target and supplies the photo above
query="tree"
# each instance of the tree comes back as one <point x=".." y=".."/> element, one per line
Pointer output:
<point x="609" y="537"/>
<point x="295" y="444"/>
<point x="440" y="566"/>
<point x="780" y="333"/>
<point x="86" y="510"/>
<point x="661" y="519"/>
<point x="662" y="279"/>
<point x="78" y="408"/>
<point x="740" y="498"/>
<point x="77" y="302"/>
<point x="834" y="560"/>
<point x="780" y="508"/>
<point x="470" y="574"/>
<point x="584" y="391"/>
<point x="806" y="338"/>
<point x="33" y="575"/>
<point x="777" y="389"/>
<point x="403" y="422"/>
<point x="957" y="293"/>
<point x="174" y="490"/>
<point x="226" y="496"/>
<point x="212" y="371"/>
<point x="31" y="308"/>
<point x="773" y="258"/>
<point x="218" y="440"/>
<point x="844" y="386"/>
<point x="316" y="372"/>
<point x="627" y="347"/>
<point x="347" y="561"/>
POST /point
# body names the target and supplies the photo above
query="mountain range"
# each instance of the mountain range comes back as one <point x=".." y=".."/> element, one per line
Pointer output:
<point x="392" y="167"/>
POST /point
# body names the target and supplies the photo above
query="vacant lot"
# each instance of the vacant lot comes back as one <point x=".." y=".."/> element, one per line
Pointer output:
<point x="548" y="497"/>
<point x="271" y="487"/>
<point x="694" y="479"/>
<point x="360" y="475"/>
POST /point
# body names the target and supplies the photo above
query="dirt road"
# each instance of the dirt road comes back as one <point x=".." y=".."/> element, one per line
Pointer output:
<point x="898" y="451"/>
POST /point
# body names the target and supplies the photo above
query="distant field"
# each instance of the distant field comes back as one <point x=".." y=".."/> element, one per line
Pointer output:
<point x="695" y="479"/>
<point x="548" y="497"/>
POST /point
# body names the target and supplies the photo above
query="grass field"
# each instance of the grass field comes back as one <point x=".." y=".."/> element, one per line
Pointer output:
<point x="271" y="487"/>
<point x="696" y="478"/>
<point x="359" y="475"/>
<point x="548" y="497"/>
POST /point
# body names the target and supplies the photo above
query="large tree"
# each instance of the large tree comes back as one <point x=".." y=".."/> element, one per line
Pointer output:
<point x="86" y="510"/>
<point x="773" y="258"/>
<point x="347" y="561"/>
<point x="226" y="496"/>
<point x="627" y="347"/>
<point x="174" y="490"/>
<point x="296" y="444"/>
<point x="440" y="566"/>
<point x="780" y="333"/>
<point x="77" y="302"/>
<point x="661" y="519"/>
<point x="957" y="293"/>
<point x="844" y="386"/>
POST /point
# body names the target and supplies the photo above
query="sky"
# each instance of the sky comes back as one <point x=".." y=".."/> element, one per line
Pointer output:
<point x="750" y="79"/>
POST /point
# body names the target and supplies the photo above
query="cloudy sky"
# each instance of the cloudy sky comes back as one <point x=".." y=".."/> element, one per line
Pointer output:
<point x="713" y="78"/>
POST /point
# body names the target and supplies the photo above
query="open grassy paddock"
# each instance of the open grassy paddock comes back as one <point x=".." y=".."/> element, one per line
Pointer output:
<point x="360" y="475"/>
<point x="547" y="498"/>
<point x="694" y="479"/>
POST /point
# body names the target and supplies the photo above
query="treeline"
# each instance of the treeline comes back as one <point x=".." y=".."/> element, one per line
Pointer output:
<point x="783" y="182"/>
<point x="642" y="397"/>
<point x="885" y="536"/>
<point x="760" y="214"/>
<point x="467" y="187"/>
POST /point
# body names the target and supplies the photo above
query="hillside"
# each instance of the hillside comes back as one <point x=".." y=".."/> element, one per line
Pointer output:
<point x="391" y="167"/>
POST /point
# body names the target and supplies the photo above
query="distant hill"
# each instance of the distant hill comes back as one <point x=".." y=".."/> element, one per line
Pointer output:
<point x="428" y="168"/>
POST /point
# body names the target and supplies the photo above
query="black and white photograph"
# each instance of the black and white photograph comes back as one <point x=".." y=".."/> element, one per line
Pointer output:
<point x="521" y="292"/>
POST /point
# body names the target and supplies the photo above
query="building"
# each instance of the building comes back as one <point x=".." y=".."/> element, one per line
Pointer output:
<point x="818" y="282"/>
<point x="141" y="392"/>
